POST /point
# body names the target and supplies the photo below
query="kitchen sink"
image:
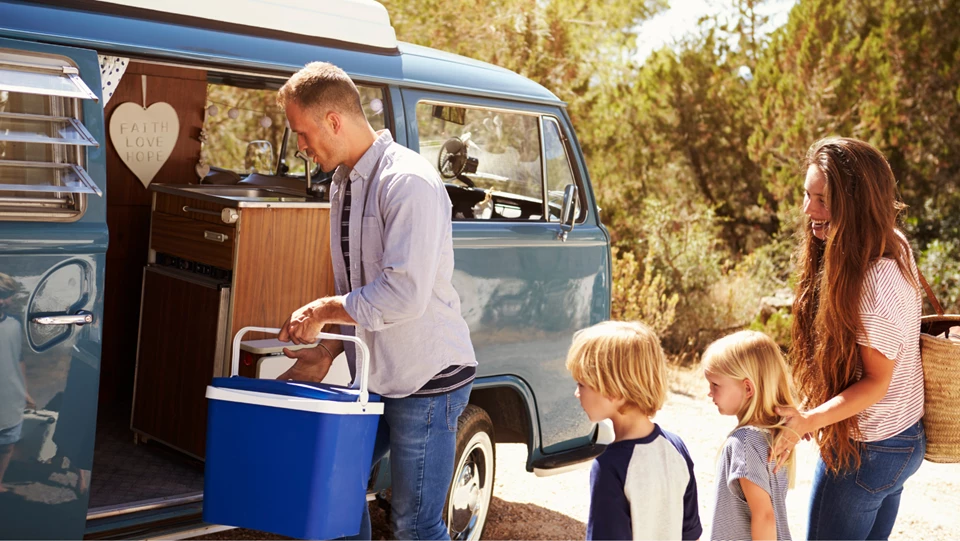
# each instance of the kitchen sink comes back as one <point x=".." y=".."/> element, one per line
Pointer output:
<point x="239" y="195"/>
<point x="248" y="193"/>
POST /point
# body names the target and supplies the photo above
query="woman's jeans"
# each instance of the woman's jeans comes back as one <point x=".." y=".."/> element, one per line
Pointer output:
<point x="863" y="504"/>
<point x="421" y="435"/>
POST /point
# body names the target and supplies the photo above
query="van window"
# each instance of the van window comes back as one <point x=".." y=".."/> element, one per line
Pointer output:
<point x="42" y="138"/>
<point x="558" y="167"/>
<point x="489" y="158"/>
<point x="244" y="129"/>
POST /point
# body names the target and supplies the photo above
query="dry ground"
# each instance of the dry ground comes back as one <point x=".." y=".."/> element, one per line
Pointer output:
<point x="530" y="507"/>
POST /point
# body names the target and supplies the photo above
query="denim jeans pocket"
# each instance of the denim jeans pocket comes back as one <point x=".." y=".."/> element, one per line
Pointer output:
<point x="455" y="407"/>
<point x="882" y="466"/>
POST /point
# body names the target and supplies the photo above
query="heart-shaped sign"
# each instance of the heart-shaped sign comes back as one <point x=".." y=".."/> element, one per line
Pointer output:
<point x="144" y="138"/>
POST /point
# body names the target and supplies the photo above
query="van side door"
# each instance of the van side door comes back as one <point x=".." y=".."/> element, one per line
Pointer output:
<point x="524" y="288"/>
<point x="53" y="241"/>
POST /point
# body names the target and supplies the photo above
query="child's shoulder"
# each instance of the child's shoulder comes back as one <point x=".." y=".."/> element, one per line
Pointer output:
<point x="674" y="439"/>
<point x="749" y="437"/>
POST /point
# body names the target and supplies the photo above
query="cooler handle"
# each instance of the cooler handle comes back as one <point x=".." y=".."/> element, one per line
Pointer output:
<point x="364" y="358"/>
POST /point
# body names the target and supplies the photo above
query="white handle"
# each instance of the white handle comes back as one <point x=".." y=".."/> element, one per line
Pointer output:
<point x="363" y="360"/>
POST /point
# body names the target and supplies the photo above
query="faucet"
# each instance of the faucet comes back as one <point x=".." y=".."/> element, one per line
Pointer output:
<point x="306" y="167"/>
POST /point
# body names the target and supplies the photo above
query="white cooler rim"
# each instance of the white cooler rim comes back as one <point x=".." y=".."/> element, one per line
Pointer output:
<point x="294" y="402"/>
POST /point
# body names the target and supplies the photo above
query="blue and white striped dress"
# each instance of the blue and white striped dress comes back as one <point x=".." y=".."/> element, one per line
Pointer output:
<point x="744" y="456"/>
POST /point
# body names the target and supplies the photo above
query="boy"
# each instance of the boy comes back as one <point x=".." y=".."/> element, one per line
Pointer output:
<point x="642" y="486"/>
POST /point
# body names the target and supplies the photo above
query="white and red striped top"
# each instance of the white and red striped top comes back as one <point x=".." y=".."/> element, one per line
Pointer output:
<point x="890" y="309"/>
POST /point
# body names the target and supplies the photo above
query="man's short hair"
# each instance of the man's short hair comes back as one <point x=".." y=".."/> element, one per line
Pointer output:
<point x="321" y="84"/>
<point x="621" y="360"/>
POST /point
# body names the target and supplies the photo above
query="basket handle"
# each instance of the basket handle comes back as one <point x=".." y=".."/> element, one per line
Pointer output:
<point x="363" y="371"/>
<point x="933" y="298"/>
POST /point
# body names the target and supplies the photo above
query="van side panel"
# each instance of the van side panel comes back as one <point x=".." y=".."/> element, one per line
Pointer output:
<point x="58" y="269"/>
<point x="524" y="292"/>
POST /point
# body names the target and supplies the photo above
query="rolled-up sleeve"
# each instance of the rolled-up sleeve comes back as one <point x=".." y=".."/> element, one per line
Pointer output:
<point x="416" y="218"/>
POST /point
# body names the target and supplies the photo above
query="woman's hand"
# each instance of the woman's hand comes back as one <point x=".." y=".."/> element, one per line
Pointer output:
<point x="798" y="425"/>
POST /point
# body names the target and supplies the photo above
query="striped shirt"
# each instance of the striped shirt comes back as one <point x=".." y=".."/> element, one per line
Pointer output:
<point x="890" y="309"/>
<point x="744" y="456"/>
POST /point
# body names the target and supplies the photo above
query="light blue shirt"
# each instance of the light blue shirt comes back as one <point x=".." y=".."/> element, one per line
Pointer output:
<point x="400" y="292"/>
<point x="13" y="391"/>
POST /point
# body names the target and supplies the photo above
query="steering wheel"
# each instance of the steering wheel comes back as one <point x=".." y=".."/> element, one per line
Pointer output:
<point x="452" y="160"/>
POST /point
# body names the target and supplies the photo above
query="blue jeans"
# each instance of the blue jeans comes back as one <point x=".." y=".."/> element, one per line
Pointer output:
<point x="863" y="504"/>
<point x="421" y="435"/>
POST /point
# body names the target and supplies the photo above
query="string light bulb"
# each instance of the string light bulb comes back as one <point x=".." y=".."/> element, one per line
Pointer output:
<point x="266" y="122"/>
<point x="233" y="113"/>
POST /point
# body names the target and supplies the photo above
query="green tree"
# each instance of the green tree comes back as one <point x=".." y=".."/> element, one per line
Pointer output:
<point x="883" y="71"/>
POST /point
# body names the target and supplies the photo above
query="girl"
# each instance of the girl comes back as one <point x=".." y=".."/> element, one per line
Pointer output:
<point x="748" y="378"/>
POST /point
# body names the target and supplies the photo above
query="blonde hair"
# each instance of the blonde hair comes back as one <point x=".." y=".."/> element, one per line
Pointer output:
<point x="621" y="360"/>
<point x="321" y="84"/>
<point x="754" y="356"/>
<point x="8" y="286"/>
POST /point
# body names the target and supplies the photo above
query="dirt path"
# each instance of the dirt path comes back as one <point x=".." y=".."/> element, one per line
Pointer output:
<point x="529" y="507"/>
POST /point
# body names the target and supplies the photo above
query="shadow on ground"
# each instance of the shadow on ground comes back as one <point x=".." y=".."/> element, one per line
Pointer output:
<point x="507" y="520"/>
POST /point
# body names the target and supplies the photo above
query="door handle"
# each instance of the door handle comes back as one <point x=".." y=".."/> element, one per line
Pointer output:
<point x="82" y="317"/>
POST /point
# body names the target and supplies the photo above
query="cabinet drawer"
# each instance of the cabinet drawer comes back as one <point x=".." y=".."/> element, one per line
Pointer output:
<point x="196" y="209"/>
<point x="196" y="240"/>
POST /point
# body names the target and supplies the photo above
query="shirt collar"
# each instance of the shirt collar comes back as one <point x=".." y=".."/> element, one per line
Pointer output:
<point x="365" y="167"/>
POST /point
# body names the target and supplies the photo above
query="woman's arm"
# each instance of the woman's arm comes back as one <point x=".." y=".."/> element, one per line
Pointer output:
<point x="872" y="387"/>
<point x="763" y="523"/>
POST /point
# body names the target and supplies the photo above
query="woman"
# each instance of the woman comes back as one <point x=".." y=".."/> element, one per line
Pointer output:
<point x="856" y="340"/>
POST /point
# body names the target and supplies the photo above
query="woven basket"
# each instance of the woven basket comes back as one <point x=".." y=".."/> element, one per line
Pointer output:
<point x="941" y="384"/>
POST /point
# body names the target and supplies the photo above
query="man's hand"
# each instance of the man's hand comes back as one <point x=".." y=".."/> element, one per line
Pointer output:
<point x="312" y="364"/>
<point x="301" y="327"/>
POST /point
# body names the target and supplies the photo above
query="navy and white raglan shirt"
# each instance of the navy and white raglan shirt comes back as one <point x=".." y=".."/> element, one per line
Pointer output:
<point x="644" y="489"/>
<point x="745" y="456"/>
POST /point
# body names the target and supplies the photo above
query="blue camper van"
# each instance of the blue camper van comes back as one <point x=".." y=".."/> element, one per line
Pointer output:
<point x="150" y="197"/>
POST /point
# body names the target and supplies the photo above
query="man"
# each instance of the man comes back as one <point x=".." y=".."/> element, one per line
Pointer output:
<point x="392" y="250"/>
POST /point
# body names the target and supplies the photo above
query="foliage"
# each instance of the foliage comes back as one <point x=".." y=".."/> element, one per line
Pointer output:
<point x="695" y="154"/>
<point x="639" y="295"/>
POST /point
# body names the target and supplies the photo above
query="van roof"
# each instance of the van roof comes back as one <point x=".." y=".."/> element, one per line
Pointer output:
<point x="363" y="22"/>
<point x="126" y="30"/>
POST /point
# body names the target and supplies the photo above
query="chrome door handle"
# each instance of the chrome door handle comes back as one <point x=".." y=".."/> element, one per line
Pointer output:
<point x="82" y="317"/>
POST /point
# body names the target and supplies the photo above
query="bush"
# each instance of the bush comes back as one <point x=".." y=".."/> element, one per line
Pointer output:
<point x="688" y="286"/>
<point x="641" y="295"/>
<point x="940" y="264"/>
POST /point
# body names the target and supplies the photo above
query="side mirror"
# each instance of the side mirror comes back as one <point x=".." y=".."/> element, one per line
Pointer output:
<point x="568" y="212"/>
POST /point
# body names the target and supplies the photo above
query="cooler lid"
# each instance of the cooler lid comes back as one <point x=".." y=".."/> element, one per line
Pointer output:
<point x="299" y="389"/>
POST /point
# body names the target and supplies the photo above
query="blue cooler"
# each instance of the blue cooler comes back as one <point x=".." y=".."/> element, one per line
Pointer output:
<point x="286" y="457"/>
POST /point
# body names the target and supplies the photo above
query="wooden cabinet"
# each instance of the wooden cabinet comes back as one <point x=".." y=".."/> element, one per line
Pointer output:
<point x="207" y="279"/>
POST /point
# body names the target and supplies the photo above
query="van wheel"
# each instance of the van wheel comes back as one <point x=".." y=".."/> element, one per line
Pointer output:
<point x="468" y="501"/>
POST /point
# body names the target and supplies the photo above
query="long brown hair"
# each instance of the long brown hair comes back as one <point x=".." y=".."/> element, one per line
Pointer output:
<point x="861" y="194"/>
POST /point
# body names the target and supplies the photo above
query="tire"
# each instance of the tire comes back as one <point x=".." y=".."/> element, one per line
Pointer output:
<point x="468" y="500"/>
